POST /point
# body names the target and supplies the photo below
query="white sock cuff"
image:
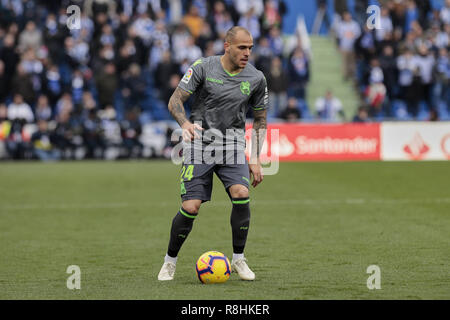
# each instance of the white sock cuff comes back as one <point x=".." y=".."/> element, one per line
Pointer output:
<point x="237" y="256"/>
<point x="168" y="258"/>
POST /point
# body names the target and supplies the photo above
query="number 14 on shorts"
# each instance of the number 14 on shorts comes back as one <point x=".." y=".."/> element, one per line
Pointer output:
<point x="187" y="173"/>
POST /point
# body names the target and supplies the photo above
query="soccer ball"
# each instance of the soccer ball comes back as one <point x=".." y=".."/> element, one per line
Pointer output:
<point x="213" y="267"/>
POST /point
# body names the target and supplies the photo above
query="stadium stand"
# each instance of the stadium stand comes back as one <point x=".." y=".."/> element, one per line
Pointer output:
<point x="100" y="89"/>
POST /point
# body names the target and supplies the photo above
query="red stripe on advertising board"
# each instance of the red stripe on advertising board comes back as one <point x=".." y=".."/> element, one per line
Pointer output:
<point x="323" y="142"/>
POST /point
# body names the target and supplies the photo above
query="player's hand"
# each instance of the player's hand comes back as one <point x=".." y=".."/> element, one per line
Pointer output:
<point x="191" y="131"/>
<point x="256" y="171"/>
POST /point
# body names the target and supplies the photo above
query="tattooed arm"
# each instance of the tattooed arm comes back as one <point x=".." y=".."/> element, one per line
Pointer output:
<point x="258" y="137"/>
<point x="177" y="111"/>
<point x="176" y="107"/>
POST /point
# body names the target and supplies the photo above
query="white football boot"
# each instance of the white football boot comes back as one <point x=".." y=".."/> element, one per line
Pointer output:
<point x="240" y="266"/>
<point x="167" y="271"/>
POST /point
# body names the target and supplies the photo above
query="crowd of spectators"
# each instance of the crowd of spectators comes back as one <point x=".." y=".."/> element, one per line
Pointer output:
<point x="88" y="92"/>
<point x="401" y="67"/>
<point x="69" y="91"/>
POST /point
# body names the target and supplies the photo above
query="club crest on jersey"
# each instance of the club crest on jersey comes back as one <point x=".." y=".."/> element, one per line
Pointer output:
<point x="187" y="76"/>
<point x="245" y="87"/>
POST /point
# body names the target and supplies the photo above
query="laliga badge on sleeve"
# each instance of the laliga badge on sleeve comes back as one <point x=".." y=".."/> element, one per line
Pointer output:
<point x="187" y="76"/>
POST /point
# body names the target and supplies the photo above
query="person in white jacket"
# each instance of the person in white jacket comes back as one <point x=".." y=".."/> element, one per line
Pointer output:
<point x="19" y="109"/>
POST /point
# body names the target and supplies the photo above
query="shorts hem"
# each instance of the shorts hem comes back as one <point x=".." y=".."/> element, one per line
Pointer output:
<point x="234" y="183"/>
<point x="195" y="197"/>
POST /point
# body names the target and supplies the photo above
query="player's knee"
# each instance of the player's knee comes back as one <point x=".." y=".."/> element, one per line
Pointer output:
<point x="239" y="191"/>
<point x="192" y="206"/>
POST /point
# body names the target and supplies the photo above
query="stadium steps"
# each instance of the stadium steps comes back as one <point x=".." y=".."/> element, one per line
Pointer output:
<point x="326" y="73"/>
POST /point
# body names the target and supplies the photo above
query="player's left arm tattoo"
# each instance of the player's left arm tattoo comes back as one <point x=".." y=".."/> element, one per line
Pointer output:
<point x="176" y="107"/>
<point x="258" y="133"/>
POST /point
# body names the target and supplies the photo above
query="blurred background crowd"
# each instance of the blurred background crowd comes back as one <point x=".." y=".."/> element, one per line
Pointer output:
<point x="401" y="68"/>
<point x="101" y="90"/>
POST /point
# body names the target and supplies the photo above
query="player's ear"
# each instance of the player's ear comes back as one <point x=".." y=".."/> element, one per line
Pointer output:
<point x="226" y="46"/>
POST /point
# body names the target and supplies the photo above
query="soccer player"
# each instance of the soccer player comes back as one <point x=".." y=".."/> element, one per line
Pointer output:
<point x="224" y="88"/>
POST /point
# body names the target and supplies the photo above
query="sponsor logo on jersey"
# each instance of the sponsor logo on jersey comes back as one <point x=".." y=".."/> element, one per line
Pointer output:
<point x="187" y="76"/>
<point x="245" y="87"/>
<point x="214" y="80"/>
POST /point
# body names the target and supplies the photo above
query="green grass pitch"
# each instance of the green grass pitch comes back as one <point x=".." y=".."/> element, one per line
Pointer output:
<point x="315" y="229"/>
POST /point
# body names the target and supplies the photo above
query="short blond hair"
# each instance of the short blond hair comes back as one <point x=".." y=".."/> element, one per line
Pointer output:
<point x="231" y="33"/>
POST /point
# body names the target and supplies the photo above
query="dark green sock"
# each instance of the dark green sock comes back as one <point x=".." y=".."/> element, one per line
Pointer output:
<point x="181" y="227"/>
<point x="240" y="222"/>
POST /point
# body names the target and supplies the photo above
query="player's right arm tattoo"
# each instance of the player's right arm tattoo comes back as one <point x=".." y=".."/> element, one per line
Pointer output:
<point x="259" y="132"/>
<point x="176" y="107"/>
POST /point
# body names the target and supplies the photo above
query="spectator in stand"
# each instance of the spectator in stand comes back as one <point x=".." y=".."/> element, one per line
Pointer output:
<point x="131" y="129"/>
<point x="250" y="21"/>
<point x="31" y="37"/>
<point x="220" y="19"/>
<point x="164" y="70"/>
<point x="43" y="141"/>
<point x="365" y="44"/>
<point x="385" y="24"/>
<point x="263" y="55"/>
<point x="329" y="107"/>
<point x="22" y="85"/>
<point x="376" y="91"/>
<point x="441" y="90"/>
<point x="43" y="109"/>
<point x="64" y="104"/>
<point x="445" y="13"/>
<point x="411" y="15"/>
<point x="277" y="83"/>
<point x="190" y="52"/>
<point x="407" y="67"/>
<point x="348" y="32"/>
<point x="17" y="144"/>
<point x="362" y="115"/>
<point x="244" y="6"/>
<point x="434" y="115"/>
<point x="202" y="7"/>
<point x="298" y="69"/>
<point x="194" y="21"/>
<point x="414" y="93"/>
<point x="134" y="86"/>
<point x="68" y="136"/>
<point x="169" y="88"/>
<point x="10" y="58"/>
<point x="389" y="68"/>
<point x="20" y="110"/>
<point x="111" y="134"/>
<point x="52" y="84"/>
<point x="443" y="36"/>
<point x="426" y="62"/>
<point x="127" y="56"/>
<point x="360" y="9"/>
<point x="272" y="16"/>
<point x="95" y="7"/>
<point x="92" y="135"/>
<point x="19" y="113"/>
<point x="206" y="35"/>
<point x="107" y="84"/>
<point x="144" y="27"/>
<point x="291" y="112"/>
<point x="276" y="41"/>
<point x="5" y="124"/>
<point x="77" y="86"/>
<point x="3" y="82"/>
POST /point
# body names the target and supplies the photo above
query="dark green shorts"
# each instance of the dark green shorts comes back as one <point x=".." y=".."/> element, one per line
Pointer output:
<point x="197" y="178"/>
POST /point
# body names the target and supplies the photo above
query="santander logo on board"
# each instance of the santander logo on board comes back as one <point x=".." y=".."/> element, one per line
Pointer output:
<point x="416" y="149"/>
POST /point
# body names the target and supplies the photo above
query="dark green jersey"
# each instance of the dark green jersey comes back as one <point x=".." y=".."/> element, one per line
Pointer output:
<point x="222" y="99"/>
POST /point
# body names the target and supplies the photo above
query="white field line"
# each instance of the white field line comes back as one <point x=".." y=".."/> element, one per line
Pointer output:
<point x="118" y="205"/>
